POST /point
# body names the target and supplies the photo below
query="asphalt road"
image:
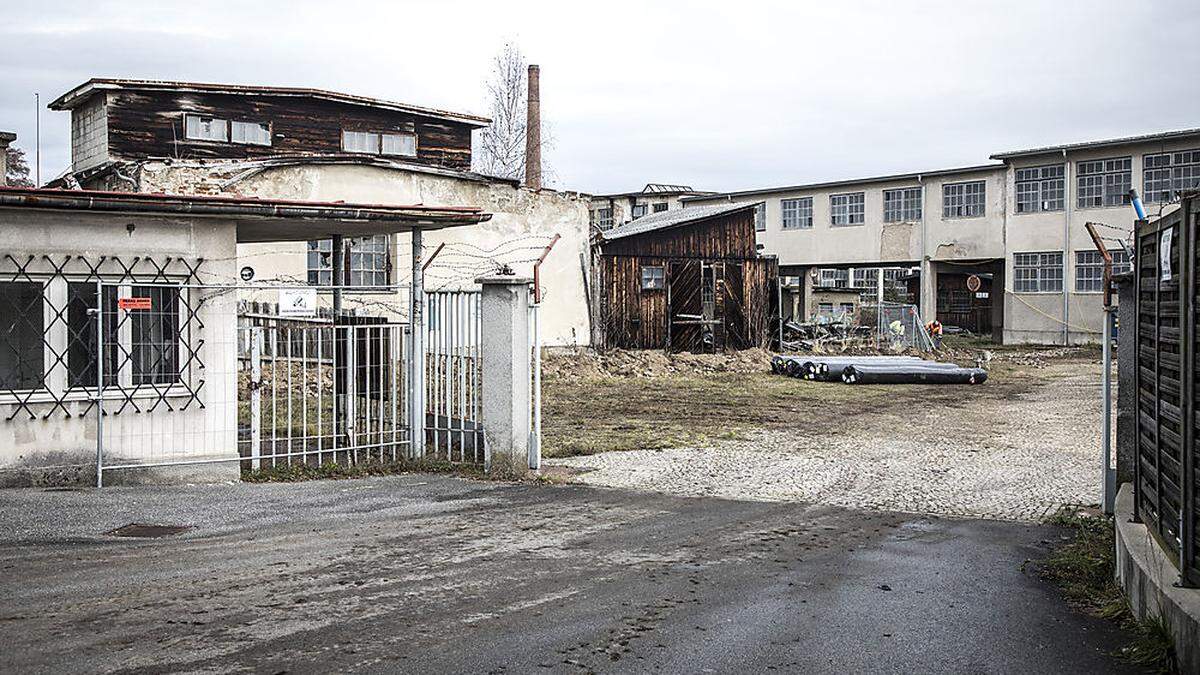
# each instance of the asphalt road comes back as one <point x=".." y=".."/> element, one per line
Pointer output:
<point x="436" y="574"/>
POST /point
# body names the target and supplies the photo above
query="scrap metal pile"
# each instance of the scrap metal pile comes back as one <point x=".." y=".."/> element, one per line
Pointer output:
<point x="824" y="331"/>
<point x="875" y="370"/>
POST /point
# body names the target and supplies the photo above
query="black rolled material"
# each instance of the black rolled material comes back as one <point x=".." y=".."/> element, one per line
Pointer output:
<point x="831" y="371"/>
<point x="912" y="374"/>
<point x="793" y="368"/>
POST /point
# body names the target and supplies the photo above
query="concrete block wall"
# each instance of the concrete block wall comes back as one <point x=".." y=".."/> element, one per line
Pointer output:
<point x="89" y="134"/>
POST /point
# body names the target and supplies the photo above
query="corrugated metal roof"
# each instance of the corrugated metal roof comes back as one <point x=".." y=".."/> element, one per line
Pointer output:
<point x="1109" y="142"/>
<point x="84" y="91"/>
<point x="668" y="219"/>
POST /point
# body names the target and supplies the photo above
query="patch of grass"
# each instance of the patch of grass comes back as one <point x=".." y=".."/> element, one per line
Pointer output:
<point x="294" y="473"/>
<point x="1084" y="569"/>
<point x="588" y="415"/>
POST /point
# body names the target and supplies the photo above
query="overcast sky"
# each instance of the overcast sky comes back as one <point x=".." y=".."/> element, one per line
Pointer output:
<point x="717" y="95"/>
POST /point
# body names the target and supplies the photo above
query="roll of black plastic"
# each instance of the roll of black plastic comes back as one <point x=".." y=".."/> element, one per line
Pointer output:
<point x="831" y="371"/>
<point x="793" y="368"/>
<point x="912" y="374"/>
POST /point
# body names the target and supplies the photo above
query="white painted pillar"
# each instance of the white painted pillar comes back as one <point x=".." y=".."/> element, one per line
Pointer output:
<point x="416" y="364"/>
<point x="507" y="379"/>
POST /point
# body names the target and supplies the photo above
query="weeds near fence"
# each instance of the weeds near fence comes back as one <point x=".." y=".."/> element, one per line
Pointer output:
<point x="297" y="472"/>
<point x="1084" y="569"/>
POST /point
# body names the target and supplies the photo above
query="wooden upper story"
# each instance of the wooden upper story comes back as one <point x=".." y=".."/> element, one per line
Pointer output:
<point x="121" y="120"/>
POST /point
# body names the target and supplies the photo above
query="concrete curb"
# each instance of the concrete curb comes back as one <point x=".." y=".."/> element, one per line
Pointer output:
<point x="1148" y="576"/>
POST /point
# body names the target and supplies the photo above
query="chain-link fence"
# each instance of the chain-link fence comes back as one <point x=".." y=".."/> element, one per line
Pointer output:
<point x="895" y="326"/>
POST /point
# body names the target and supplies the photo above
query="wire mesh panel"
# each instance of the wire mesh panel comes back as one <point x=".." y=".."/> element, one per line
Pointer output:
<point x="453" y="379"/>
<point x="896" y="326"/>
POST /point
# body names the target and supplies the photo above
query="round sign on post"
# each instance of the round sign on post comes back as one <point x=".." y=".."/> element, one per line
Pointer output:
<point x="247" y="273"/>
<point x="973" y="283"/>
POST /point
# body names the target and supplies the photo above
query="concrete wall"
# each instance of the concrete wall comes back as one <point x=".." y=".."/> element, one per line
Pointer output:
<point x="522" y="221"/>
<point x="68" y="439"/>
<point x="89" y="134"/>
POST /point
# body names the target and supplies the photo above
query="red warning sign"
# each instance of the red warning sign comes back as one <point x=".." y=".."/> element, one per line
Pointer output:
<point x="133" y="303"/>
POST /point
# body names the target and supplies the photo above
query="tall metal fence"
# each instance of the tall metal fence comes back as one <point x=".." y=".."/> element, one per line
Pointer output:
<point x="1166" y="374"/>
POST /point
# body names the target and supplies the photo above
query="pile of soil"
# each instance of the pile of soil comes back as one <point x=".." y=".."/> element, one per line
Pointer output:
<point x="651" y="363"/>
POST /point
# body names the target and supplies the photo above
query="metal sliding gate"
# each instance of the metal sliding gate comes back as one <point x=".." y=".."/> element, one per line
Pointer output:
<point x="248" y="377"/>
<point x="1167" y="333"/>
<point x="242" y="378"/>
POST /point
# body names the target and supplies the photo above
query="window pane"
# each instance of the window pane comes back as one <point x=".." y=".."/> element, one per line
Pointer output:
<point x="21" y="331"/>
<point x="400" y="144"/>
<point x="81" y="335"/>
<point x="154" y="336"/>
<point x="202" y="128"/>
<point x="252" y="133"/>
<point x="369" y="261"/>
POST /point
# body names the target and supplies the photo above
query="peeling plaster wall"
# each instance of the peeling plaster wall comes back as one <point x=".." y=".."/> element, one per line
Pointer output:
<point x="521" y="218"/>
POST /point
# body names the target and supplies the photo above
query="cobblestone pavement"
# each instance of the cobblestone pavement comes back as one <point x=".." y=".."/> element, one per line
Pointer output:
<point x="1012" y="458"/>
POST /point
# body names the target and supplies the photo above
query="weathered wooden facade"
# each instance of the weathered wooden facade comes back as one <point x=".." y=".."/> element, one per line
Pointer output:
<point x="129" y="120"/>
<point x="686" y="280"/>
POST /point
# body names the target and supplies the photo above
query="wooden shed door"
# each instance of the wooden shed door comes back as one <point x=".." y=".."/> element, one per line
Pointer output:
<point x="685" y="309"/>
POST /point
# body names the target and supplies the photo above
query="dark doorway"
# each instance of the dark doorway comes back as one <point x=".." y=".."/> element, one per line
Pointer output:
<point x="958" y="305"/>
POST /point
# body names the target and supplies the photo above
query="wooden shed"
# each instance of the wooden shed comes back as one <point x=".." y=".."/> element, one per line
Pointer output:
<point x="686" y="280"/>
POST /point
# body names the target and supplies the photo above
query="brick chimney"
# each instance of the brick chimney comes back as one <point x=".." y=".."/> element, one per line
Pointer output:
<point x="533" y="132"/>
<point x="6" y="137"/>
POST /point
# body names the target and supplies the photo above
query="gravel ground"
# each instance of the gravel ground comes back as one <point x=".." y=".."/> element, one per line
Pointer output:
<point x="1018" y="457"/>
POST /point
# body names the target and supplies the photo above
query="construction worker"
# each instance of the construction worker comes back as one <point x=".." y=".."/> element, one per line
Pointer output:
<point x="934" y="328"/>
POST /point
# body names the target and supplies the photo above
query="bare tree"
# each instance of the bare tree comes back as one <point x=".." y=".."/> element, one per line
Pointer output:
<point x="18" y="168"/>
<point x="500" y="150"/>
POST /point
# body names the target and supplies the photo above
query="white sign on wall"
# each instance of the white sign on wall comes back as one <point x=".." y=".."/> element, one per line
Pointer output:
<point x="1164" y="254"/>
<point x="298" y="302"/>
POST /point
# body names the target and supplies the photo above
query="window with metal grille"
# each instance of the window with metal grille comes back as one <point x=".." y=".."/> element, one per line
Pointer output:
<point x="847" y="209"/>
<point x="639" y="210"/>
<point x="760" y="218"/>
<point x="81" y="334"/>
<point x="901" y="205"/>
<point x="250" y="133"/>
<point x="1038" y="272"/>
<point x="797" y="213"/>
<point x="201" y="128"/>
<point x="653" y="278"/>
<point x="660" y="207"/>
<point x="154" y="336"/>
<point x="964" y="200"/>
<point x="1040" y="188"/>
<point x="1104" y="182"/>
<point x="1167" y="174"/>
<point x="1089" y="269"/>
<point x="22" y="329"/>
<point x="370" y="261"/>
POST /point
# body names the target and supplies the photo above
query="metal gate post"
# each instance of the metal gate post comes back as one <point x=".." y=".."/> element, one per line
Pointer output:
<point x="256" y="352"/>
<point x="416" y="365"/>
<point x="535" y="435"/>
<point x="99" y="311"/>
<point x="351" y="388"/>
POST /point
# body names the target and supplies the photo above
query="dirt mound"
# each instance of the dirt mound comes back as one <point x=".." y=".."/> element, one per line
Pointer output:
<point x="651" y="363"/>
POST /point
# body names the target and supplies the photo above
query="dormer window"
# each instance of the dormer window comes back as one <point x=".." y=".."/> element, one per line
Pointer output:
<point x="200" y="128"/>
<point x="371" y="143"/>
